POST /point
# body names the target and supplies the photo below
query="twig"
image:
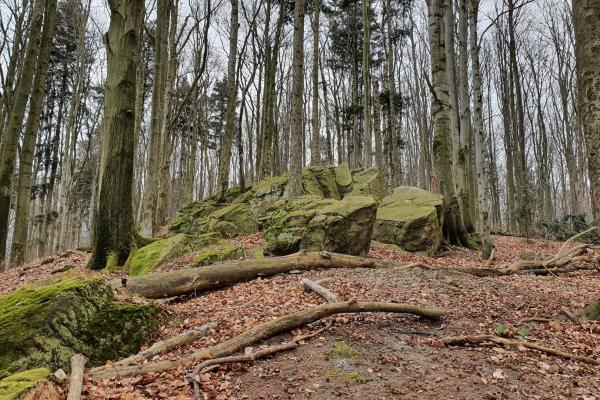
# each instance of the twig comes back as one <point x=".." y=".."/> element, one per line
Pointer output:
<point x="571" y="316"/>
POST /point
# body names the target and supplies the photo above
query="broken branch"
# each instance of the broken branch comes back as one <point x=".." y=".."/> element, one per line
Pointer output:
<point x="482" y="339"/>
<point x="76" y="381"/>
<point x="320" y="290"/>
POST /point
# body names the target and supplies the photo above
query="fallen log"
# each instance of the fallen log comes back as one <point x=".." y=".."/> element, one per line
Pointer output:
<point x="76" y="381"/>
<point x="264" y="331"/>
<point x="168" y="344"/>
<point x="202" y="279"/>
<point x="320" y="290"/>
<point x="482" y="339"/>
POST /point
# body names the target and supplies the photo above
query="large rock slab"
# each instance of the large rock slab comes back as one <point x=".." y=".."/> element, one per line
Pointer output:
<point x="285" y="221"/>
<point x="344" y="227"/>
<point x="226" y="220"/>
<point x="42" y="326"/>
<point x="315" y="223"/>
<point x="367" y="182"/>
<point x="412" y="219"/>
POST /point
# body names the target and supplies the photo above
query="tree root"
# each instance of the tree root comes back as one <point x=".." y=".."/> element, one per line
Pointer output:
<point x="482" y="339"/>
<point x="264" y="331"/>
<point x="199" y="280"/>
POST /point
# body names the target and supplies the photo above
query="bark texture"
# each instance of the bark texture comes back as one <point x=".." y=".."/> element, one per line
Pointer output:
<point x="586" y="21"/>
<point x="113" y="215"/>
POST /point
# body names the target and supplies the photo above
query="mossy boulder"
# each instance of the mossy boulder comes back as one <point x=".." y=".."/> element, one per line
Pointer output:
<point x="590" y="312"/>
<point x="228" y="220"/>
<point x="15" y="386"/>
<point x="315" y="223"/>
<point x="367" y="182"/>
<point x="412" y="219"/>
<point x="157" y="253"/>
<point x="217" y="253"/>
<point x="320" y="181"/>
<point x="284" y="222"/>
<point x="43" y="325"/>
<point x="344" y="226"/>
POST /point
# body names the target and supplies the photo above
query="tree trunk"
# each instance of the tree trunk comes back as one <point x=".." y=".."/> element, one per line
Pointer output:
<point x="15" y="121"/>
<point x="586" y="21"/>
<point x="150" y="197"/>
<point x="19" y="242"/>
<point x="453" y="224"/>
<point x="479" y="133"/>
<point x="113" y="215"/>
<point x="315" y="144"/>
<point x="297" y="126"/>
<point x="366" y="84"/>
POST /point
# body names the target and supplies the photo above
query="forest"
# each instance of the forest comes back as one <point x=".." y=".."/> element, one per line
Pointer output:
<point x="299" y="199"/>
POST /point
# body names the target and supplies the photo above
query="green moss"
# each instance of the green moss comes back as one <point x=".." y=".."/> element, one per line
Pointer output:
<point x="343" y="177"/>
<point x="149" y="257"/>
<point x="332" y="373"/>
<point x="355" y="376"/>
<point x="119" y="330"/>
<point x="410" y="218"/>
<point x="216" y="253"/>
<point x="257" y="253"/>
<point x="343" y="350"/>
<point x="351" y="376"/>
<point x="591" y="311"/>
<point x="45" y="324"/>
<point x="34" y="316"/>
<point x="13" y="386"/>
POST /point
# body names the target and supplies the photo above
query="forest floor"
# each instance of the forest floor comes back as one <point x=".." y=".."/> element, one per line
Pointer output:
<point x="380" y="356"/>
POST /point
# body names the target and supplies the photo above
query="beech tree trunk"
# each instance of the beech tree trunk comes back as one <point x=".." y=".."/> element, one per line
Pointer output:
<point x="453" y="224"/>
<point x="225" y="156"/>
<point x="19" y="242"/>
<point x="113" y="214"/>
<point x="586" y="21"/>
<point x="480" y="139"/>
<point x="297" y="110"/>
<point x="315" y="144"/>
<point x="15" y="120"/>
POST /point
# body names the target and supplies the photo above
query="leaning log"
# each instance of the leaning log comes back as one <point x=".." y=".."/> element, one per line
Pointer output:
<point x="264" y="331"/>
<point x="202" y="279"/>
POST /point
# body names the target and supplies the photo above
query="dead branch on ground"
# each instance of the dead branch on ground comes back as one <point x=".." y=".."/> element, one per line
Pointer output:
<point x="483" y="339"/>
<point x="320" y="290"/>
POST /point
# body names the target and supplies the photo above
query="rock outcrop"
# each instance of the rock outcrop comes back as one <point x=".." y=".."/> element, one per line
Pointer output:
<point x="42" y="326"/>
<point x="410" y="218"/>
